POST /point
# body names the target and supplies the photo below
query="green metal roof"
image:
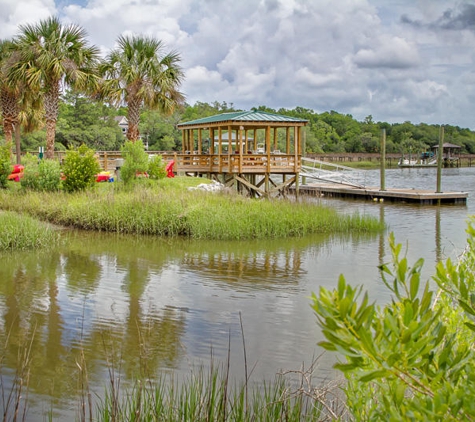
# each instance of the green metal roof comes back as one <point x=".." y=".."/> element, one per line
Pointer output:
<point x="244" y="116"/>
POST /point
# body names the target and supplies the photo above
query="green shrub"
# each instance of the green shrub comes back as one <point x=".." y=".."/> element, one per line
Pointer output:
<point x="156" y="167"/>
<point x="136" y="161"/>
<point x="49" y="175"/>
<point x="5" y="163"/>
<point x="30" y="172"/>
<point x="42" y="176"/>
<point x="80" y="169"/>
<point x="411" y="359"/>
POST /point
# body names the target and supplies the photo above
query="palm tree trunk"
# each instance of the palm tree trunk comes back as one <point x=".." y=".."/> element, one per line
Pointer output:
<point x="9" y="103"/>
<point x="50" y="135"/>
<point x="8" y="130"/>
<point x="133" y="117"/>
<point x="17" y="143"/>
<point x="51" y="101"/>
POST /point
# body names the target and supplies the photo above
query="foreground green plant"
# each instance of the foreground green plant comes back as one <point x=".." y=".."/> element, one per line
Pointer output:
<point x="166" y="208"/>
<point x="18" y="232"/>
<point x="411" y="359"/>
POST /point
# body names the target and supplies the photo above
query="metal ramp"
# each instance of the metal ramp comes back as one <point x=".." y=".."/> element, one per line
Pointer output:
<point x="333" y="173"/>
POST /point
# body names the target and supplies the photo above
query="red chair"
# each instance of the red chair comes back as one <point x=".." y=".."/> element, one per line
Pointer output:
<point x="169" y="168"/>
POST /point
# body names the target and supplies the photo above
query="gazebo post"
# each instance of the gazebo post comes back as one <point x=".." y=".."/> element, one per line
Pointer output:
<point x="287" y="140"/>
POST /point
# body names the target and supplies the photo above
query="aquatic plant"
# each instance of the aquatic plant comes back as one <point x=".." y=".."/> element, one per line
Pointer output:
<point x="166" y="208"/>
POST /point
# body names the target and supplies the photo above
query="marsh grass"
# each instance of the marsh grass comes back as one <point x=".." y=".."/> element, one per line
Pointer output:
<point x="167" y="208"/>
<point x="21" y="232"/>
<point x="14" y="385"/>
<point x="209" y="393"/>
<point x="204" y="394"/>
<point x="207" y="396"/>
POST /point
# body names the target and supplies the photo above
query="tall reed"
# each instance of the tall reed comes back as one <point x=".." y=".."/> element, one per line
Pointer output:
<point x="207" y="396"/>
<point x="19" y="232"/>
<point x="164" y="209"/>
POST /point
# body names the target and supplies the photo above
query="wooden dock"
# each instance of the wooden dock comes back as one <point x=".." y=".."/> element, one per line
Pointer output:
<point x="414" y="196"/>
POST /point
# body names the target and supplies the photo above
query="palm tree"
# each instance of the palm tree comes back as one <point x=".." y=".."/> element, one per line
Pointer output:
<point x="138" y="73"/>
<point x="9" y="93"/>
<point x="54" y="56"/>
<point x="20" y="107"/>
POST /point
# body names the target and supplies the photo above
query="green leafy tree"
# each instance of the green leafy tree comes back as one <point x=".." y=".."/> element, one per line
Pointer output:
<point x="136" y="161"/>
<point x="370" y="142"/>
<point x="139" y="73"/>
<point x="84" y="121"/>
<point x="330" y="140"/>
<point x="411" y="359"/>
<point x="201" y="109"/>
<point x="80" y="168"/>
<point x="54" y="55"/>
<point x="159" y="131"/>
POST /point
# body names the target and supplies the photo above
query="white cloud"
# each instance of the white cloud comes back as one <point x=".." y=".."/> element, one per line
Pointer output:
<point x="319" y="54"/>
<point x="20" y="12"/>
<point x="388" y="52"/>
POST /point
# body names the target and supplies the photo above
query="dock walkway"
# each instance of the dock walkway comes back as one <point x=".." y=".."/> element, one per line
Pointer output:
<point x="419" y="196"/>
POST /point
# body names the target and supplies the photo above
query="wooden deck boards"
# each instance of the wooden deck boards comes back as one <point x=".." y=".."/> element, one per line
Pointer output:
<point x="420" y="196"/>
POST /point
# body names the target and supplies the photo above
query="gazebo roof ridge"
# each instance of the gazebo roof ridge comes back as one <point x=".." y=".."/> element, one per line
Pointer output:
<point x="447" y="145"/>
<point x="252" y="116"/>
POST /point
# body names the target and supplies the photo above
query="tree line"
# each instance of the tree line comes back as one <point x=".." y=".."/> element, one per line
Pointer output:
<point x="83" y="120"/>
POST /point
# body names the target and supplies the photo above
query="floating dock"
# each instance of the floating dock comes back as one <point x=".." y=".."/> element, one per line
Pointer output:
<point x="414" y="196"/>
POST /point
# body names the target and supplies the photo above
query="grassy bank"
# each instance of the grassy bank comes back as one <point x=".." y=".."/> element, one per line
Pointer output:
<point x="20" y="232"/>
<point x="168" y="208"/>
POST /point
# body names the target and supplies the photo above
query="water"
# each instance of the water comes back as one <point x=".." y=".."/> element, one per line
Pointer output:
<point x="168" y="305"/>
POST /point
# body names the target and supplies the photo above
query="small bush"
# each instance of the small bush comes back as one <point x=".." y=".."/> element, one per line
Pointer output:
<point x="135" y="161"/>
<point x="80" y="169"/>
<point x="5" y="163"/>
<point x="30" y="172"/>
<point x="45" y="176"/>
<point x="156" y="167"/>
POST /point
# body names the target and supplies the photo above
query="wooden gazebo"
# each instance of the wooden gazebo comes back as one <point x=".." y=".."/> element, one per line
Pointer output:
<point x="450" y="154"/>
<point x="258" y="152"/>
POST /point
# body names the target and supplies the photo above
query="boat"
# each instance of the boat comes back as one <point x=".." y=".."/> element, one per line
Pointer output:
<point x="426" y="159"/>
<point x="450" y="157"/>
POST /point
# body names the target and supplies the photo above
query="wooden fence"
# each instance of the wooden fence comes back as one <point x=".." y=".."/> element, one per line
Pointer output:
<point x="107" y="159"/>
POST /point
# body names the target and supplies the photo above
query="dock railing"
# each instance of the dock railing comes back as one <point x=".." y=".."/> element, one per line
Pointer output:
<point x="321" y="171"/>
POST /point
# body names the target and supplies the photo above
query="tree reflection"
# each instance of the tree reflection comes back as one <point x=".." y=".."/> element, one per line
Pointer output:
<point x="82" y="271"/>
<point x="97" y="302"/>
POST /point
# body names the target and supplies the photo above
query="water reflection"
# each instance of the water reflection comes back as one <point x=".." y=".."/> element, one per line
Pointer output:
<point x="146" y="304"/>
<point x="139" y="303"/>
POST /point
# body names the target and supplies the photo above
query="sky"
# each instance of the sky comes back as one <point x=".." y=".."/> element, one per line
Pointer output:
<point x="394" y="60"/>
